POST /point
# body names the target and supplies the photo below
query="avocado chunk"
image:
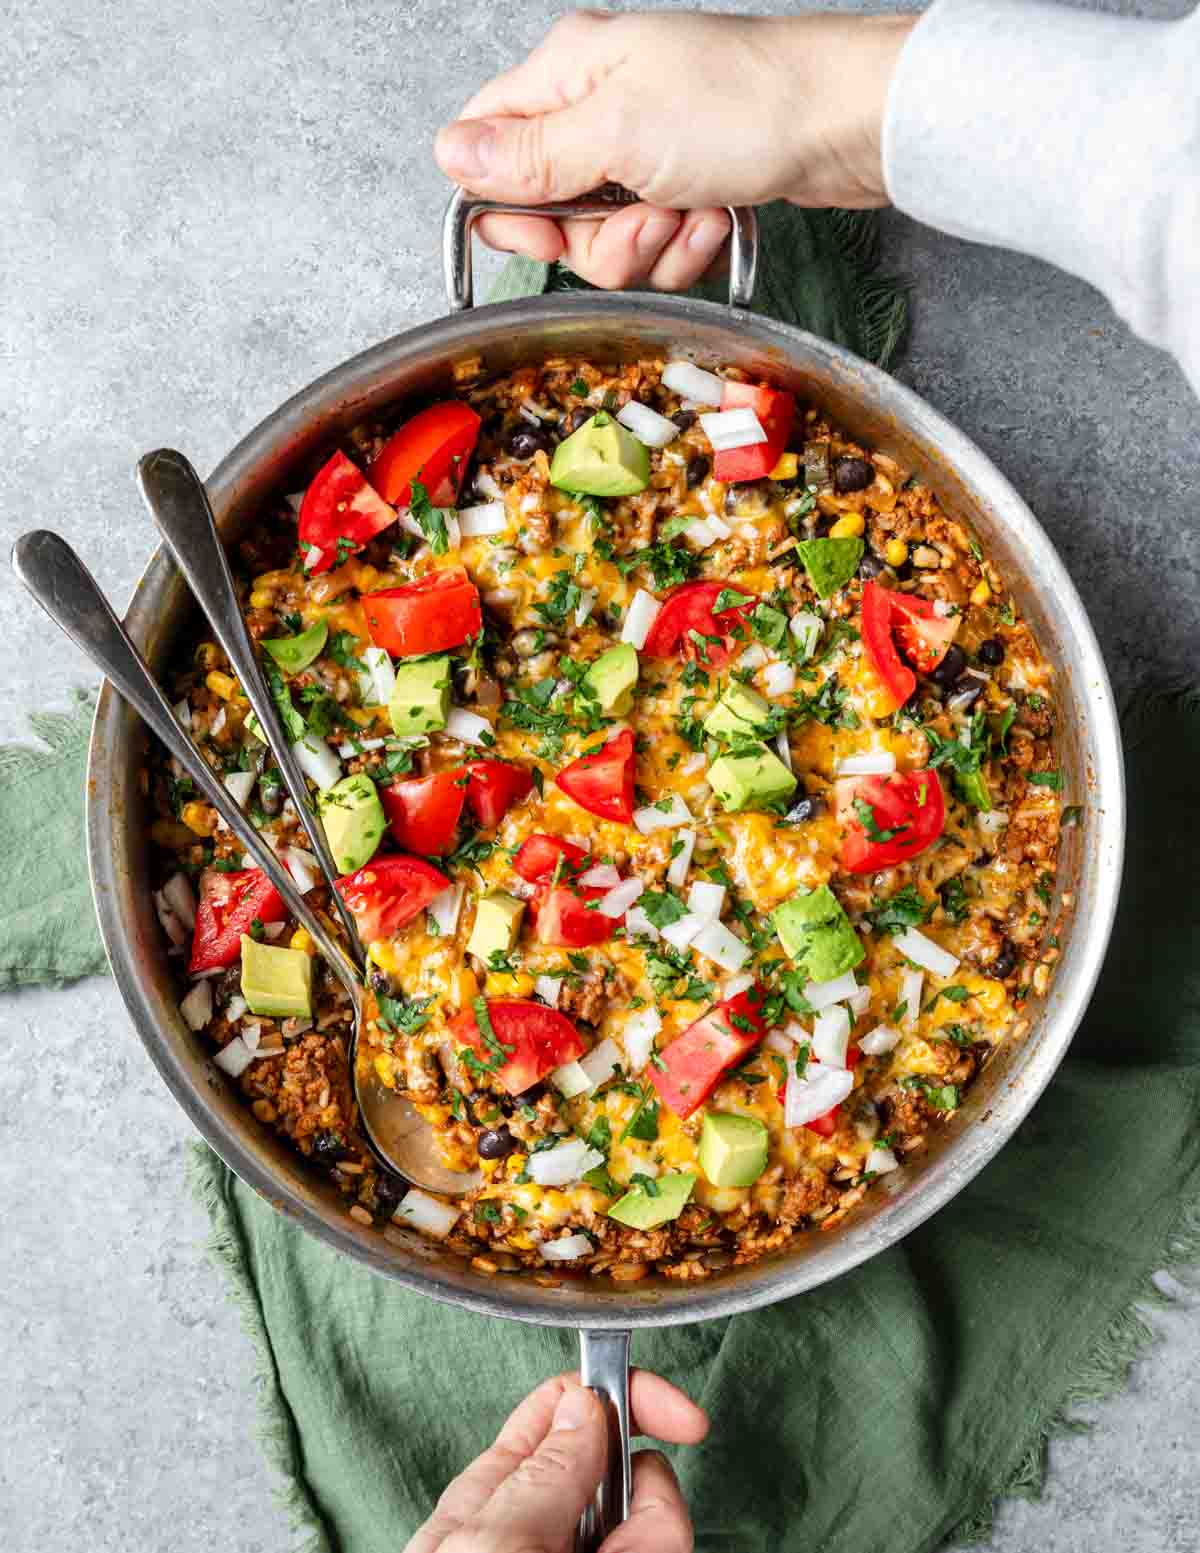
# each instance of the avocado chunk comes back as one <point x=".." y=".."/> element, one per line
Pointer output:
<point x="741" y="713"/>
<point x="666" y="1200"/>
<point x="276" y="983"/>
<point x="293" y="653"/>
<point x="750" y="779"/>
<point x="601" y="459"/>
<point x="612" y="678"/>
<point x="420" y="702"/>
<point x="497" y="923"/>
<point x="830" y="563"/>
<point x="354" y="821"/>
<point x="733" y="1149"/>
<point x="816" y="933"/>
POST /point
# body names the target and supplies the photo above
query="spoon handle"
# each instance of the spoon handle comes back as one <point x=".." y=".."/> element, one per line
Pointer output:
<point x="179" y="504"/>
<point x="69" y="594"/>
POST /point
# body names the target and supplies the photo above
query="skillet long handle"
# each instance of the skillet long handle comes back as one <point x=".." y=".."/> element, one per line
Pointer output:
<point x="178" y="503"/>
<point x="70" y="595"/>
<point x="604" y="1366"/>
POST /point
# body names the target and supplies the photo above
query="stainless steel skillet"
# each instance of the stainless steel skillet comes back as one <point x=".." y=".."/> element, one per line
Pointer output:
<point x="279" y="453"/>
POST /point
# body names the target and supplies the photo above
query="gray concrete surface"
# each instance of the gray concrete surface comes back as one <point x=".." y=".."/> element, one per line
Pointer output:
<point x="205" y="204"/>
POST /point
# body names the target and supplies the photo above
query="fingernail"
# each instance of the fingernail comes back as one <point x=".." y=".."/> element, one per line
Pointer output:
<point x="655" y="231"/>
<point x="574" y="1408"/>
<point x="708" y="235"/>
<point x="464" y="150"/>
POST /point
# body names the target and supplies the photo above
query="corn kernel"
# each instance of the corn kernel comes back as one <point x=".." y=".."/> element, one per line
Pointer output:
<point x="385" y="1070"/>
<point x="302" y="939"/>
<point x="895" y="552"/>
<point x="262" y="598"/>
<point x="981" y="592"/>
<point x="199" y="817"/>
<point x="786" y="469"/>
<point x="208" y="655"/>
<point x="849" y="527"/>
<point x="223" y="685"/>
<point x="990" y="995"/>
<point x="503" y="984"/>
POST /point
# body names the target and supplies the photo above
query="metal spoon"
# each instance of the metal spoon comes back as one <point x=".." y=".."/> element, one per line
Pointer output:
<point x="69" y="594"/>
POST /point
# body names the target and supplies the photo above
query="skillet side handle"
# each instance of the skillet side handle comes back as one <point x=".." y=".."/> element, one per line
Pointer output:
<point x="464" y="210"/>
<point x="604" y="1366"/>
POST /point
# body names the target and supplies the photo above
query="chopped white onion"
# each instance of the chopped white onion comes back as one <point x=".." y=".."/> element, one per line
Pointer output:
<point x="601" y="1062"/>
<point x="619" y="899"/>
<point x="880" y="1161"/>
<point x="541" y="412"/>
<point x="489" y="517"/>
<point x="570" y="1080"/>
<point x="806" y="628"/>
<point x="197" y="1007"/>
<point x="732" y="985"/>
<point x="706" y="900"/>
<point x="693" y="382"/>
<point x="408" y="523"/>
<point x="727" y="429"/>
<point x="639" y="617"/>
<point x="420" y="1210"/>
<point x="314" y="557"/>
<point x="859" y="1001"/>
<point x="818" y="1091"/>
<point x="701" y="533"/>
<point x="234" y="1058"/>
<point x="911" y="984"/>
<point x="568" y="1248"/>
<point x="302" y="866"/>
<point x="779" y="679"/>
<point x="183" y="714"/>
<point x="680" y="934"/>
<point x="601" y="876"/>
<point x="168" y="921"/>
<point x="444" y="910"/>
<point x="529" y="503"/>
<point x="778" y="1041"/>
<point x="272" y="930"/>
<point x="797" y="1031"/>
<point x="348" y="751"/>
<point x="548" y="989"/>
<point x="487" y="485"/>
<point x="962" y="700"/>
<point x="564" y="1163"/>
<point x="695" y="762"/>
<point x="638" y="1037"/>
<point x="831" y="1036"/>
<point x="647" y="425"/>
<point x="716" y="943"/>
<point x="469" y="727"/>
<point x="718" y="525"/>
<point x="217" y="723"/>
<point x="383" y="674"/>
<point x="754" y="657"/>
<point x="924" y="952"/>
<point x="783" y="745"/>
<point x="236" y="1008"/>
<point x="251" y="1033"/>
<point x="638" y="924"/>
<point x="822" y="994"/>
<point x="943" y="608"/>
<point x="240" y="784"/>
<point x="991" y="820"/>
<point x="677" y="869"/>
<point x="652" y="818"/>
<point x="882" y="1039"/>
<point x="177" y="892"/>
<point x="317" y="761"/>
<point x="587" y="603"/>
<point x="870" y="763"/>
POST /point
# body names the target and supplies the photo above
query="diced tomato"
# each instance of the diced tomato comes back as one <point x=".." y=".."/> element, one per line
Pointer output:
<point x="537" y="858"/>
<point x="825" y="1125"/>
<point x="493" y="787"/>
<point x="922" y="635"/>
<point x="434" y="448"/>
<point x="602" y="781"/>
<point x="229" y="903"/>
<point x="437" y="612"/>
<point x="389" y="892"/>
<point x="853" y="1057"/>
<point x="688" y="609"/>
<point x="775" y="409"/>
<point x="564" y="917"/>
<point x="423" y="812"/>
<point x="534" y="1040"/>
<point x="879" y="646"/>
<point x="891" y="620"/>
<point x="909" y="814"/>
<point x="694" y="1062"/>
<point x="339" y="513"/>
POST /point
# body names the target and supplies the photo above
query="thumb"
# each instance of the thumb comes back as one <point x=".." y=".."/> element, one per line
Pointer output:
<point x="533" y="160"/>
<point x="539" y="1505"/>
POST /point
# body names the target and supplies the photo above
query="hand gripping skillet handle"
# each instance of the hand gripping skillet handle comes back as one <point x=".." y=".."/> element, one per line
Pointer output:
<point x="465" y="209"/>
<point x="604" y="1366"/>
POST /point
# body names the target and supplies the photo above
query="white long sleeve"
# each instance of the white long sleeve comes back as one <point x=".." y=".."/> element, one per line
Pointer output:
<point x="1065" y="134"/>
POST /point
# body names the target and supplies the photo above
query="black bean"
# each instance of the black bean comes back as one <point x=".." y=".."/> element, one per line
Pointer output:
<point x="684" y="419"/>
<point x="1005" y="962"/>
<point x="495" y="1143"/>
<point x="270" y="792"/>
<point x="697" y="470"/>
<point x="991" y="652"/>
<point x="525" y="440"/>
<point x="380" y="982"/>
<point x="950" y="667"/>
<point x="806" y="808"/>
<point x="851" y="474"/>
<point x="870" y="565"/>
<point x="328" y="1148"/>
<point x="389" y="1189"/>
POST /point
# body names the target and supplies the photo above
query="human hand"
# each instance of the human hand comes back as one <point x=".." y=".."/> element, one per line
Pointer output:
<point x="692" y="112"/>
<point x="525" y="1494"/>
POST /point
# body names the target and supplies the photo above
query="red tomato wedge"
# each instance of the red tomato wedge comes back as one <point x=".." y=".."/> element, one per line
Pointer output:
<point x="696" y="1060"/>
<point x="493" y="787"/>
<point x="423" y="812"/>
<point x="339" y="513"/>
<point x="908" y="814"/>
<point x="602" y="782"/>
<point x="563" y="917"/>
<point x="775" y="409"/>
<point x="688" y="609"/>
<point x="389" y="892"/>
<point x="433" y="614"/>
<point x="229" y="903"/>
<point x="434" y="448"/>
<point x="879" y="645"/>
<point x="922" y="635"/>
<point x="891" y="620"/>
<point x="533" y="1040"/>
<point x="537" y="858"/>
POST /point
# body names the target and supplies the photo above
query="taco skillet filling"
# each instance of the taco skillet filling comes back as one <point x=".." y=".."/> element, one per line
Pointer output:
<point x="693" y="783"/>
